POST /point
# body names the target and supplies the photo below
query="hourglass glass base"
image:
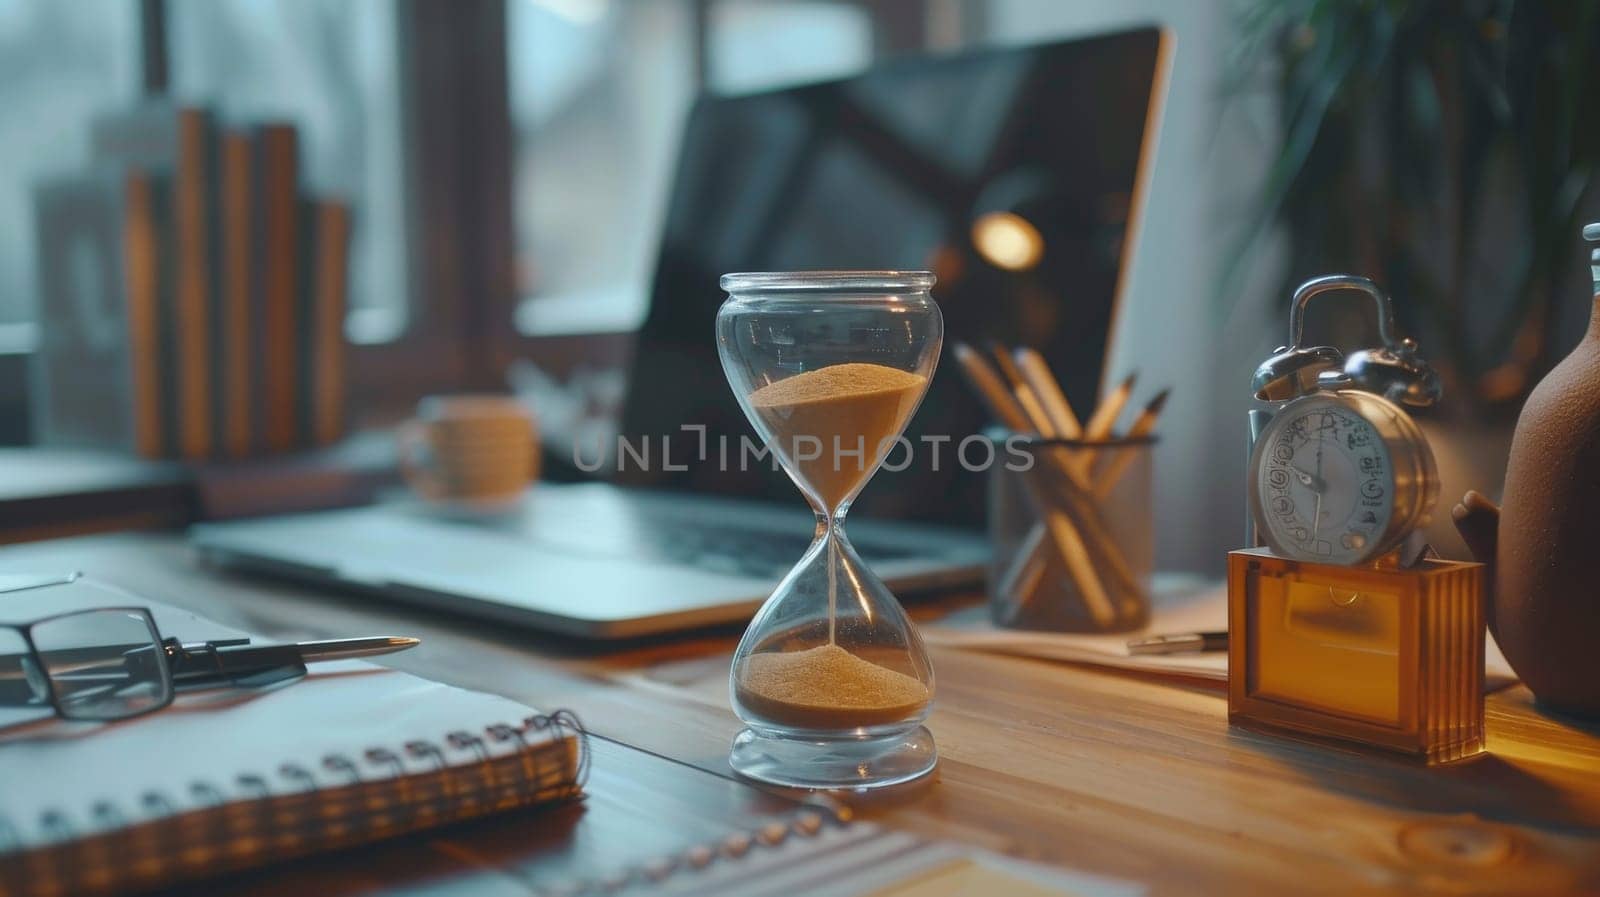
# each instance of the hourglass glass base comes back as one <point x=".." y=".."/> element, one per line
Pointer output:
<point x="853" y="763"/>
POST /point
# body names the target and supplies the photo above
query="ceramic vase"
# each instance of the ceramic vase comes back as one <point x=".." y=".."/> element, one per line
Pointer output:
<point x="1545" y="546"/>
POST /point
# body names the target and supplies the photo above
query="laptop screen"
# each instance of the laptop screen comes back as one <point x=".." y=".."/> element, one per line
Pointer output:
<point x="890" y="170"/>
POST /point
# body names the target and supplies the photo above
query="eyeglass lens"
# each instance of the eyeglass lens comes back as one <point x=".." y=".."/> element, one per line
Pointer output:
<point x="103" y="664"/>
<point x="22" y="683"/>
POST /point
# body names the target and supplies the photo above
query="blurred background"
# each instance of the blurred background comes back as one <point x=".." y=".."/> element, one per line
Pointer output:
<point x="505" y="164"/>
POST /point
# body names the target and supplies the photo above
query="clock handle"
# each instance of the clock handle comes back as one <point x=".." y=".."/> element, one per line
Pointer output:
<point x="1393" y="370"/>
<point x="1330" y="283"/>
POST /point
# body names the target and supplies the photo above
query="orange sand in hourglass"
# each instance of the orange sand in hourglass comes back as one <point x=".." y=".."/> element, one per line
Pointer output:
<point x="859" y="405"/>
<point x="827" y="687"/>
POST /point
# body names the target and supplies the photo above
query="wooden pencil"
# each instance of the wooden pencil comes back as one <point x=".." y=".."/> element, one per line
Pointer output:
<point x="1145" y="423"/>
<point x="1071" y="487"/>
<point x="1027" y="399"/>
<point x="1105" y="417"/>
<point x="1004" y="364"/>
<point x="1069" y="543"/>
<point x="1045" y="388"/>
<point x="1143" y="426"/>
<point x="992" y="390"/>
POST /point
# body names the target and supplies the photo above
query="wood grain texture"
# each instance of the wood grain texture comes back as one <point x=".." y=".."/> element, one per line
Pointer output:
<point x="1109" y="773"/>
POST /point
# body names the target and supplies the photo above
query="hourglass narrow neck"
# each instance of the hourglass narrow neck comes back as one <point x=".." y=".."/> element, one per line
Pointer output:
<point x="831" y="522"/>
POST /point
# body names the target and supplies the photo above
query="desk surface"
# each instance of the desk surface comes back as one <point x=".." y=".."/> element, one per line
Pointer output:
<point x="1103" y="772"/>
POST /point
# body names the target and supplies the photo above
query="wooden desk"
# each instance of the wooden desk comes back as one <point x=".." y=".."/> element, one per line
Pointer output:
<point x="1103" y="772"/>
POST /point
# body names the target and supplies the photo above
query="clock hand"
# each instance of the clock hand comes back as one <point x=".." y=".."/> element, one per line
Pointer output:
<point x="1310" y="481"/>
<point x="1316" y="517"/>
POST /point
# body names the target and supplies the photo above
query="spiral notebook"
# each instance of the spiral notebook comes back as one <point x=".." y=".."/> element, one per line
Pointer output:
<point x="227" y="779"/>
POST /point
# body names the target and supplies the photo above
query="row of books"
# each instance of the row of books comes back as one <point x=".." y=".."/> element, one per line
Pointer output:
<point x="192" y="296"/>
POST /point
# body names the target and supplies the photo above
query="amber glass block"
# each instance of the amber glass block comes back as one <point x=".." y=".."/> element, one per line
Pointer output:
<point x="1389" y="658"/>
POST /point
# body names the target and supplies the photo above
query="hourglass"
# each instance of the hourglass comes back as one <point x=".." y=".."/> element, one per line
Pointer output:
<point x="831" y="679"/>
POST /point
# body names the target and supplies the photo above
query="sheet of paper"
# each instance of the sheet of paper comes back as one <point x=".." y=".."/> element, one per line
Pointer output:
<point x="1179" y="604"/>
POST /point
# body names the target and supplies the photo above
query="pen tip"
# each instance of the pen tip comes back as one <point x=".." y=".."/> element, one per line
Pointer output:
<point x="1159" y="402"/>
<point x="401" y="642"/>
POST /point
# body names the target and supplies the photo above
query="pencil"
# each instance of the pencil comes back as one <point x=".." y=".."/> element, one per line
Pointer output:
<point x="1026" y="398"/>
<point x="1146" y="421"/>
<point x="1056" y="407"/>
<point x="1021" y="584"/>
<point x="1004" y="364"/>
<point x="1074" y="490"/>
<point x="1069" y="543"/>
<point x="1143" y="426"/>
<point x="987" y="384"/>
<point x="1105" y="416"/>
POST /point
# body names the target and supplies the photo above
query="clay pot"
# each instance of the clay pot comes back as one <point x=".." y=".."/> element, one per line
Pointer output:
<point x="1544" y="542"/>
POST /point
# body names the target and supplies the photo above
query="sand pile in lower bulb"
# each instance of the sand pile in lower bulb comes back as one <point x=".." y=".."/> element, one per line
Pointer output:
<point x="827" y="687"/>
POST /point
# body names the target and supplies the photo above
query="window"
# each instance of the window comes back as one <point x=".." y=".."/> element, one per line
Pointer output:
<point x="757" y="46"/>
<point x="330" y="66"/>
<point x="60" y="64"/>
<point x="599" y="91"/>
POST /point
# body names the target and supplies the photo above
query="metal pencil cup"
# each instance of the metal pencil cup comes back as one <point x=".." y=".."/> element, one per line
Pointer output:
<point x="1072" y="534"/>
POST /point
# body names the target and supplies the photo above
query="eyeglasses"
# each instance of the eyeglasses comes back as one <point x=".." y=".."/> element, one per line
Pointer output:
<point x="102" y="664"/>
<point x="111" y="663"/>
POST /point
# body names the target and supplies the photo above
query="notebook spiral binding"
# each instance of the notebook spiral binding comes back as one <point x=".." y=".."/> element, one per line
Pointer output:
<point x="331" y="796"/>
<point x="808" y="821"/>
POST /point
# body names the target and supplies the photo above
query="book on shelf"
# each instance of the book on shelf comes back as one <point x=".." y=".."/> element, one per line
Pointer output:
<point x="231" y="284"/>
<point x="160" y="135"/>
<point x="195" y="216"/>
<point x="278" y="282"/>
<point x="236" y="298"/>
<point x="325" y="257"/>
<point x="99" y="375"/>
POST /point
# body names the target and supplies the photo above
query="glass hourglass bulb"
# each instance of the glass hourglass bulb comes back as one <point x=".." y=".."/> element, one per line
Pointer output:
<point x="831" y="677"/>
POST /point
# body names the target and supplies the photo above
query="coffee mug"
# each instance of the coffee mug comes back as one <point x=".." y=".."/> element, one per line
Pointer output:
<point x="471" y="449"/>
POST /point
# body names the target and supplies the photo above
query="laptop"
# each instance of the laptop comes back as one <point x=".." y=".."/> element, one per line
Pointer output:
<point x="889" y="169"/>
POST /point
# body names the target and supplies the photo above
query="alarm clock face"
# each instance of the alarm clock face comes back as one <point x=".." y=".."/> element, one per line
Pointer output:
<point x="1325" y="484"/>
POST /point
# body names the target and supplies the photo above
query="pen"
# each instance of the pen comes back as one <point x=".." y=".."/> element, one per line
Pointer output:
<point x="232" y="659"/>
<point x="202" y="664"/>
<point x="1180" y="643"/>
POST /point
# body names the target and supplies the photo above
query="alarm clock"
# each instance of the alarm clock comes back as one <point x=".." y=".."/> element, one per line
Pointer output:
<point x="1341" y="474"/>
<point x="1333" y="632"/>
